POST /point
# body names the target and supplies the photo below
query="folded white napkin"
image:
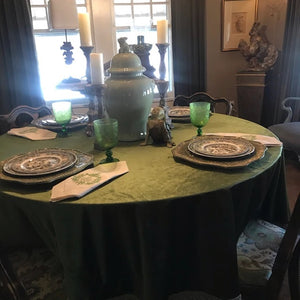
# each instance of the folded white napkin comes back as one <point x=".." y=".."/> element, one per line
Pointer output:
<point x="80" y="184"/>
<point x="263" y="139"/>
<point x="33" y="133"/>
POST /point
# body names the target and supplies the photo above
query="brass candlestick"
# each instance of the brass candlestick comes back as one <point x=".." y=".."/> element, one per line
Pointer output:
<point x="96" y="110"/>
<point x="162" y="48"/>
<point x="87" y="51"/>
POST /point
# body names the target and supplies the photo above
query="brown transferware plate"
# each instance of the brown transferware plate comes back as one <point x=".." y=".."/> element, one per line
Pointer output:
<point x="221" y="147"/>
<point x="179" y="112"/>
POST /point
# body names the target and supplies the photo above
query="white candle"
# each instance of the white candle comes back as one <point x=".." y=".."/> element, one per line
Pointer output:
<point x="162" y="31"/>
<point x="97" y="70"/>
<point x="85" y="29"/>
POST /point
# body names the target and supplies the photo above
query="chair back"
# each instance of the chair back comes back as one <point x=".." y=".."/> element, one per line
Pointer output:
<point x="22" y="115"/>
<point x="288" y="108"/>
<point x="285" y="252"/>
<point x="182" y="100"/>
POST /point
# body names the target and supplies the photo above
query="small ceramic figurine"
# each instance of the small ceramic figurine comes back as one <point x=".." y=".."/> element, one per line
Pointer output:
<point x="124" y="47"/>
<point x="158" y="129"/>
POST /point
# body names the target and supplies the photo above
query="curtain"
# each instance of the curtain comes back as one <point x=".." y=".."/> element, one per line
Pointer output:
<point x="19" y="77"/>
<point x="289" y="83"/>
<point x="188" y="45"/>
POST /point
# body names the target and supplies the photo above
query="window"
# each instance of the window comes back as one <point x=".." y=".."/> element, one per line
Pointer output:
<point x="109" y="18"/>
<point x="52" y="66"/>
<point x="133" y="18"/>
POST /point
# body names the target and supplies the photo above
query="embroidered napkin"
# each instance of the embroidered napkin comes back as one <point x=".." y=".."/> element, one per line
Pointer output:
<point x="33" y="133"/>
<point x="86" y="181"/>
<point x="263" y="139"/>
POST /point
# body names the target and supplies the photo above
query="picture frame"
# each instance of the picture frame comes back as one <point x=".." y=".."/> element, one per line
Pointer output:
<point x="238" y="17"/>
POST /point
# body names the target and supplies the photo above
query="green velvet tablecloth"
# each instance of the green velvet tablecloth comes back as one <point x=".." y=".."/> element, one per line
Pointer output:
<point x="162" y="228"/>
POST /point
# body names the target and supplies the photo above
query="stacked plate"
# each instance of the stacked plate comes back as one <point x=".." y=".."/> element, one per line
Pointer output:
<point x="44" y="165"/>
<point x="179" y="113"/>
<point x="48" y="122"/>
<point x="217" y="147"/>
<point x="227" y="152"/>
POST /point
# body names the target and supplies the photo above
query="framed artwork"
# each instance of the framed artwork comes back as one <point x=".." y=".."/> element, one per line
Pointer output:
<point x="238" y="17"/>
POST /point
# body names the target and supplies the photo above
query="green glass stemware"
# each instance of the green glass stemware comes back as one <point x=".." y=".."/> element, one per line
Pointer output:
<point x="106" y="137"/>
<point x="199" y="114"/>
<point x="62" y="112"/>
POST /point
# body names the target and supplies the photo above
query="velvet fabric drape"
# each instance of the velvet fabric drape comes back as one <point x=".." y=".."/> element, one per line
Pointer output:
<point x="188" y="44"/>
<point x="19" y="76"/>
<point x="289" y="82"/>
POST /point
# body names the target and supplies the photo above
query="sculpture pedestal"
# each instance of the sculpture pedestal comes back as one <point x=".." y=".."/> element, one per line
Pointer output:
<point x="250" y="91"/>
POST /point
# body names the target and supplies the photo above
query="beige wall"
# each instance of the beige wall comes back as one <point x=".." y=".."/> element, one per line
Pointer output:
<point x="273" y="14"/>
<point x="222" y="66"/>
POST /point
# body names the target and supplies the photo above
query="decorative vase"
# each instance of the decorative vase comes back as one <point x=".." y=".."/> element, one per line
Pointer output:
<point x="128" y="95"/>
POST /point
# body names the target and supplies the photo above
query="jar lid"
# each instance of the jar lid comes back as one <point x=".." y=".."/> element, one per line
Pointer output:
<point x="125" y="62"/>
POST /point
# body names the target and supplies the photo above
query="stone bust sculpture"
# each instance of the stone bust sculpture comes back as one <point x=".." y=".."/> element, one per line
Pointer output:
<point x="260" y="54"/>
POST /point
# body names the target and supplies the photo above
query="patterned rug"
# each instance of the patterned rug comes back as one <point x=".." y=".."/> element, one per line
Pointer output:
<point x="36" y="270"/>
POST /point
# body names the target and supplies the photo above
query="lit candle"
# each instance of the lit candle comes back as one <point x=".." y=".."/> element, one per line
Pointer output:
<point x="85" y="29"/>
<point x="162" y="31"/>
<point x="97" y="70"/>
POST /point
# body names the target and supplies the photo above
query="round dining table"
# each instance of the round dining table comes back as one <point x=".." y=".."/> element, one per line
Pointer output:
<point x="164" y="227"/>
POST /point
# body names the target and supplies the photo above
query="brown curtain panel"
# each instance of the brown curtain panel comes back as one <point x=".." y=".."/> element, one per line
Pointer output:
<point x="289" y="81"/>
<point x="19" y="76"/>
<point x="188" y="45"/>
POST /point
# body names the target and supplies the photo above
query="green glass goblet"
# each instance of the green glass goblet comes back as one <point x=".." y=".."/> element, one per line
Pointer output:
<point x="62" y="112"/>
<point x="106" y="137"/>
<point x="199" y="114"/>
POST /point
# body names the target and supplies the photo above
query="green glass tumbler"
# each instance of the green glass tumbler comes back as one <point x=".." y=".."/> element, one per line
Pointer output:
<point x="106" y="137"/>
<point x="62" y="112"/>
<point x="199" y="114"/>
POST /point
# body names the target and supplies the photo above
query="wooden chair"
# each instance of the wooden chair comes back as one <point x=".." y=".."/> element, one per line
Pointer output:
<point x="23" y="115"/>
<point x="265" y="253"/>
<point x="30" y="274"/>
<point x="182" y="100"/>
<point x="288" y="131"/>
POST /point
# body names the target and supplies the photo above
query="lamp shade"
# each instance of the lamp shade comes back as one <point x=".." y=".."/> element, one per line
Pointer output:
<point x="63" y="14"/>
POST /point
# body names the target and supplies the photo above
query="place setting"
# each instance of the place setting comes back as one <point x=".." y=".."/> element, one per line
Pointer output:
<point x="73" y="172"/>
<point x="222" y="151"/>
<point x="44" y="166"/>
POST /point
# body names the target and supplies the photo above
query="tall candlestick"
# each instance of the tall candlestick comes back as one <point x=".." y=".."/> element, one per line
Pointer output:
<point x="97" y="70"/>
<point x="162" y="67"/>
<point x="87" y="52"/>
<point x="85" y="29"/>
<point x="162" y="31"/>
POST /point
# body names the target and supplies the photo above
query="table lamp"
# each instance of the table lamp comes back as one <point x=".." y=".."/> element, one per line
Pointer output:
<point x="63" y="15"/>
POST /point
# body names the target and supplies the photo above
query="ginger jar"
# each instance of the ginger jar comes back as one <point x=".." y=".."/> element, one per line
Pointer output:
<point x="128" y="95"/>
